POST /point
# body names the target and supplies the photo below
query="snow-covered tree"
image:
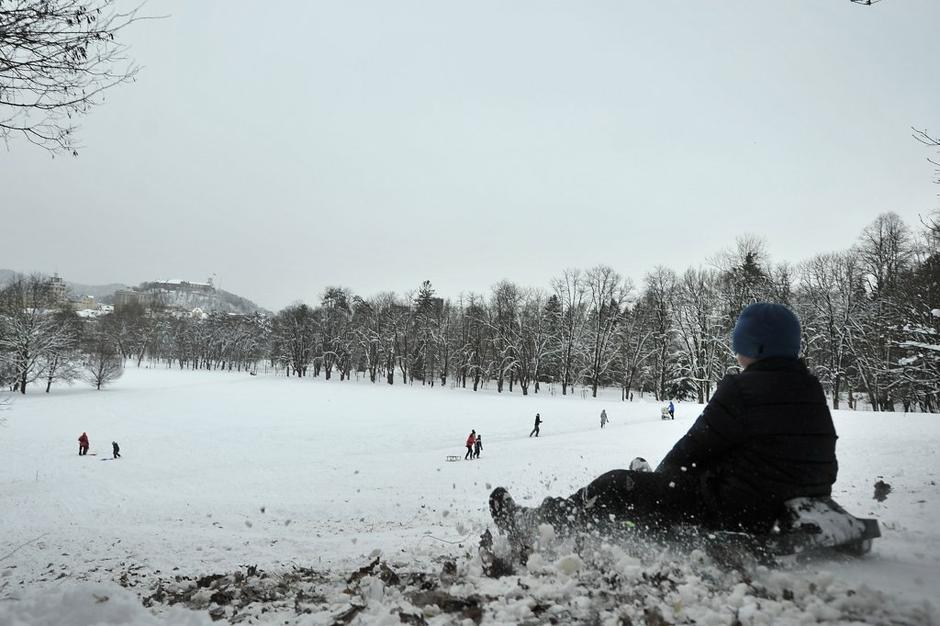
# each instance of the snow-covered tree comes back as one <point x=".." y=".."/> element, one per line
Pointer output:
<point x="62" y="363"/>
<point x="103" y="363"/>
<point x="294" y="335"/>
<point x="832" y="297"/>
<point x="570" y="289"/>
<point x="30" y="332"/>
<point x="699" y="330"/>
<point x="607" y="294"/>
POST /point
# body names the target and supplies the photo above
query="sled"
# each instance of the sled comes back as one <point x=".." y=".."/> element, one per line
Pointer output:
<point x="452" y="457"/>
<point x="811" y="523"/>
<point x="666" y="415"/>
<point x="807" y="525"/>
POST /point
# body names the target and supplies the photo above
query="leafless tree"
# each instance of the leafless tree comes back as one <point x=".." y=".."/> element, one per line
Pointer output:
<point x="504" y="309"/>
<point x="885" y="248"/>
<point x="570" y="290"/>
<point x="103" y="362"/>
<point x="607" y="294"/>
<point x="634" y="344"/>
<point x="62" y="362"/>
<point x="57" y="58"/>
<point x="832" y="288"/>
<point x="699" y="330"/>
<point x="29" y="330"/>
<point x="660" y="291"/>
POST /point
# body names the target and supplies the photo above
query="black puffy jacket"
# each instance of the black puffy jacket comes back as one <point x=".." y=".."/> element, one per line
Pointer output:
<point x="765" y="436"/>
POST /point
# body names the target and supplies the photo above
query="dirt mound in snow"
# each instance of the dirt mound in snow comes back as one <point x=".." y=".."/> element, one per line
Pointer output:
<point x="601" y="584"/>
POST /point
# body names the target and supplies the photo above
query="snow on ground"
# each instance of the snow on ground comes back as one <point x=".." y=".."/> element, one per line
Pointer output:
<point x="223" y="470"/>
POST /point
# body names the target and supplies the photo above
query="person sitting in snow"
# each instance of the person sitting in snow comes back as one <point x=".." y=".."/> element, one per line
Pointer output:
<point x="472" y="439"/>
<point x="83" y="445"/>
<point x="478" y="447"/>
<point x="116" y="450"/>
<point x="765" y="436"/>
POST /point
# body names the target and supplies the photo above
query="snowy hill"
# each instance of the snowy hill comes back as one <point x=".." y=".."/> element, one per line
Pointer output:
<point x="209" y="301"/>
<point x="186" y="295"/>
<point x="309" y="480"/>
<point x="101" y="293"/>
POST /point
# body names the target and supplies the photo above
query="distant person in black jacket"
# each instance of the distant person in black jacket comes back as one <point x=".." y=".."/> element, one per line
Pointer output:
<point x="764" y="437"/>
<point x="538" y="422"/>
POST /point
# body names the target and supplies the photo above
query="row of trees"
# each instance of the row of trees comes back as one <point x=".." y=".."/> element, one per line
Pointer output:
<point x="871" y="328"/>
<point x="41" y="342"/>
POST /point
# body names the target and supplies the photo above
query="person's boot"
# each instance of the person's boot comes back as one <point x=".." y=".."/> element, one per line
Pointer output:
<point x="519" y="523"/>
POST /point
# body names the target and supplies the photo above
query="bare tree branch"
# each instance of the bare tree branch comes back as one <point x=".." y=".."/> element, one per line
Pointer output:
<point x="57" y="58"/>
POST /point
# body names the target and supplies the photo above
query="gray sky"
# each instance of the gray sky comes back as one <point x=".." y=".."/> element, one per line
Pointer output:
<point x="287" y="146"/>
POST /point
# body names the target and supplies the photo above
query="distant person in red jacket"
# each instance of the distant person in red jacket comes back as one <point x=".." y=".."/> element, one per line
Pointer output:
<point x="472" y="439"/>
<point x="83" y="445"/>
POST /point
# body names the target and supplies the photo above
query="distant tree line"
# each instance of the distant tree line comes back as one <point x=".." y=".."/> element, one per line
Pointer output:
<point x="871" y="329"/>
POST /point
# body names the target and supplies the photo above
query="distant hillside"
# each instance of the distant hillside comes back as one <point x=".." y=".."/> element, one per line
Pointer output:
<point x="101" y="293"/>
<point x="207" y="299"/>
<point x="216" y="300"/>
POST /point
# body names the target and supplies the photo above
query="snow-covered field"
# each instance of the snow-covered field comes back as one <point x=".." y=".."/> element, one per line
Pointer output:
<point x="223" y="470"/>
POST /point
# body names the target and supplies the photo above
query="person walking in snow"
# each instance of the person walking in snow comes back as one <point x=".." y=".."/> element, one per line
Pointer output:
<point x="116" y="450"/>
<point x="538" y="422"/>
<point x="603" y="417"/>
<point x="478" y="447"/>
<point x="471" y="440"/>
<point x="83" y="445"/>
<point x="672" y="410"/>
<point x="766" y="436"/>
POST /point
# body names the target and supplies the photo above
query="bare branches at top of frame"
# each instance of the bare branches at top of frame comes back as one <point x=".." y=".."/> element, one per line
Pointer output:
<point x="924" y="137"/>
<point x="866" y="2"/>
<point x="928" y="140"/>
<point x="57" y="57"/>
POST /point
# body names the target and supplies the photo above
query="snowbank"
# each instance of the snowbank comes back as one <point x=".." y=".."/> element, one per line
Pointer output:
<point x="88" y="604"/>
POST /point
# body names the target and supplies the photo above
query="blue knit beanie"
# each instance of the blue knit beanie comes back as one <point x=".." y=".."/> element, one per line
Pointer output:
<point x="764" y="330"/>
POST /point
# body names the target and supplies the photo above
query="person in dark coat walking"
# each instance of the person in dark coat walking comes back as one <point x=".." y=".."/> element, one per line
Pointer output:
<point x="766" y="436"/>
<point x="472" y="439"/>
<point x="538" y="422"/>
<point x="116" y="450"/>
<point x="478" y="447"/>
<point x="83" y="445"/>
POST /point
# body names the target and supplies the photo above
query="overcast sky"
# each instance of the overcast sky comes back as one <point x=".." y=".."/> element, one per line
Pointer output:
<point x="286" y="146"/>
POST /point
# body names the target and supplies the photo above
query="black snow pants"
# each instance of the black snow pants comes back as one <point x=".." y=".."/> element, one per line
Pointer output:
<point x="646" y="498"/>
<point x="535" y="431"/>
<point x="469" y="454"/>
